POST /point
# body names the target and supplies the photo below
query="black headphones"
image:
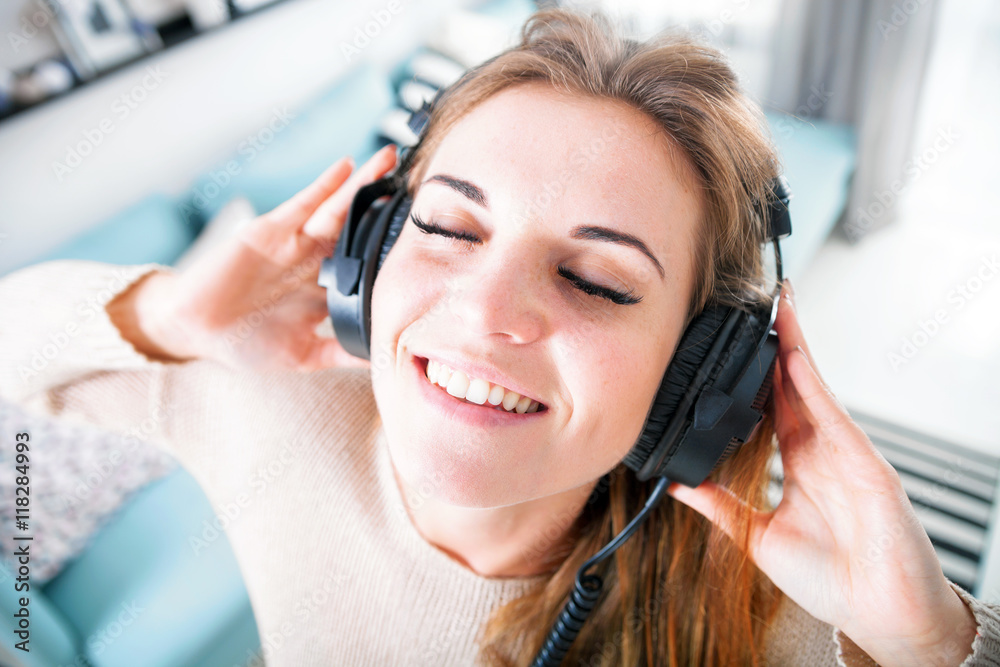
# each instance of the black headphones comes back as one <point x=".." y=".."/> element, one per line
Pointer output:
<point x="710" y="401"/>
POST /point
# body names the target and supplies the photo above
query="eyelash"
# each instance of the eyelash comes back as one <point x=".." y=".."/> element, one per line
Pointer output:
<point x="432" y="228"/>
<point x="621" y="298"/>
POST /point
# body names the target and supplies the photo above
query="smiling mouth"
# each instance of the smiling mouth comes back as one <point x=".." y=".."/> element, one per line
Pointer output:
<point x="477" y="391"/>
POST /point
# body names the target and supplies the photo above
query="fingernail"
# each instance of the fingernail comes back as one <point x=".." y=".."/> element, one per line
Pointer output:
<point x="787" y="295"/>
<point x="799" y="349"/>
<point x="791" y="290"/>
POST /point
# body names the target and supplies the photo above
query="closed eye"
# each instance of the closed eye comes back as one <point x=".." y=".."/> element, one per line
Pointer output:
<point x="622" y="298"/>
<point x="615" y="296"/>
<point x="434" y="228"/>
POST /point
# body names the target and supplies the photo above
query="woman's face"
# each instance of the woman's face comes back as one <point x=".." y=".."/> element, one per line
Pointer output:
<point x="550" y="252"/>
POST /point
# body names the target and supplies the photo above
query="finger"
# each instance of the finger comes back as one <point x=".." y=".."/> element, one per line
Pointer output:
<point x="326" y="222"/>
<point x="787" y="324"/>
<point x="306" y="201"/>
<point x="817" y="405"/>
<point x="785" y="422"/>
<point x="792" y="446"/>
<point x="789" y="390"/>
<point x="723" y="508"/>
<point x="835" y="428"/>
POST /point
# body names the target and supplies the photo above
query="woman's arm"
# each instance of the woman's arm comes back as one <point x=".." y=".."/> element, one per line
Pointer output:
<point x="795" y="637"/>
<point x="134" y="314"/>
<point x="64" y="329"/>
<point x="253" y="303"/>
<point x="56" y="328"/>
<point x="64" y="356"/>
<point x="182" y="358"/>
<point x="968" y="645"/>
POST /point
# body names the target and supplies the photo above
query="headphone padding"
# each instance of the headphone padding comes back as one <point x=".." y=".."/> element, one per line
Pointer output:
<point x="689" y="357"/>
<point x="396" y="223"/>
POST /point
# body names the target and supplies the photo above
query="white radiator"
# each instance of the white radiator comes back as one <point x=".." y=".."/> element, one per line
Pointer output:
<point x="954" y="491"/>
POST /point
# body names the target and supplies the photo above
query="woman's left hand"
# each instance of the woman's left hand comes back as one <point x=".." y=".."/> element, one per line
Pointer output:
<point x="844" y="542"/>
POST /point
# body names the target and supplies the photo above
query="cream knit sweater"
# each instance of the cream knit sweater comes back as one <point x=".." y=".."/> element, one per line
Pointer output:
<point x="336" y="572"/>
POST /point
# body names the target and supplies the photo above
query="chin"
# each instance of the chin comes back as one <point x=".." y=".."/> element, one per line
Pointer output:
<point x="438" y="469"/>
<point x="463" y="463"/>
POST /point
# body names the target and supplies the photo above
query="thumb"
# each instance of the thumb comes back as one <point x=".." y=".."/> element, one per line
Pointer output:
<point x="304" y="203"/>
<point x="328" y="219"/>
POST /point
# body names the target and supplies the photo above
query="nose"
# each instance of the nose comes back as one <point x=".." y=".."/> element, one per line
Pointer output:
<point x="500" y="295"/>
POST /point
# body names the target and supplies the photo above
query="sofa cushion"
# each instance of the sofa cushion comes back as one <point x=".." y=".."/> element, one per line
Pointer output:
<point x="152" y="230"/>
<point x="53" y="640"/>
<point x="141" y="594"/>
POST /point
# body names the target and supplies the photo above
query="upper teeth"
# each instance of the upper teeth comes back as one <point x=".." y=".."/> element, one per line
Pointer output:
<point x="478" y="391"/>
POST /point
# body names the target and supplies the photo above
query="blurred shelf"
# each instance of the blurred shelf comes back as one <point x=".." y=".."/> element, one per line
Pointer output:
<point x="172" y="34"/>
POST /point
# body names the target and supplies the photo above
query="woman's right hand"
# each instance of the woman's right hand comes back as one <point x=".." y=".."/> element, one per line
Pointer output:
<point x="254" y="302"/>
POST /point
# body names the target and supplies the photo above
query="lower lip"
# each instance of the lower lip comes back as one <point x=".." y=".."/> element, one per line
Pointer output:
<point x="463" y="411"/>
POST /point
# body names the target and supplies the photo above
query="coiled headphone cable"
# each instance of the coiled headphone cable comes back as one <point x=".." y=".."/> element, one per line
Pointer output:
<point x="587" y="590"/>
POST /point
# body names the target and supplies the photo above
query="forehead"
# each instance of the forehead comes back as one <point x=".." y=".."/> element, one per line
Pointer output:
<point x="540" y="154"/>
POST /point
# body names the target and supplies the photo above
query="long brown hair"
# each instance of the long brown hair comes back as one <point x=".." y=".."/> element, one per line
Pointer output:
<point x="679" y="592"/>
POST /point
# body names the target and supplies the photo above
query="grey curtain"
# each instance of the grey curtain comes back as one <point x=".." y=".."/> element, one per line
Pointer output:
<point x="861" y="62"/>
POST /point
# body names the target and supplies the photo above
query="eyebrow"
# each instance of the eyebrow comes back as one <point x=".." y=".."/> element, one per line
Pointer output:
<point x="469" y="190"/>
<point x="584" y="232"/>
<point x="594" y="233"/>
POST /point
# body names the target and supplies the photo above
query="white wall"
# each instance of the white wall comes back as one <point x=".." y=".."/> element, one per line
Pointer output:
<point x="891" y="331"/>
<point x="210" y="93"/>
<point x="25" y="27"/>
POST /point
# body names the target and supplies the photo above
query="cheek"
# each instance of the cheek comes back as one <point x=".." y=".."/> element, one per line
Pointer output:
<point x="388" y="317"/>
<point x="612" y="380"/>
<point x="403" y="298"/>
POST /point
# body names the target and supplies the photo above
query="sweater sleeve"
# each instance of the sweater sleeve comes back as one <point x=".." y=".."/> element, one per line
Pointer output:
<point x="56" y="327"/>
<point x="986" y="645"/>
<point x="63" y="356"/>
<point x="985" y="649"/>
<point x="798" y="638"/>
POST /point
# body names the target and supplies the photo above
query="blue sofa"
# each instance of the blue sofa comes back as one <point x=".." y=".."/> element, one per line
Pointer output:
<point x="139" y="568"/>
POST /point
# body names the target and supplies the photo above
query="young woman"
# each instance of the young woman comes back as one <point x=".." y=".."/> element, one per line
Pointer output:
<point x="577" y="201"/>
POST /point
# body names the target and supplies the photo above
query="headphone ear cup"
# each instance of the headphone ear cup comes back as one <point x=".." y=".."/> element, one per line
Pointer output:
<point x="350" y="272"/>
<point x="693" y="348"/>
<point x="712" y="396"/>
<point x="396" y="221"/>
